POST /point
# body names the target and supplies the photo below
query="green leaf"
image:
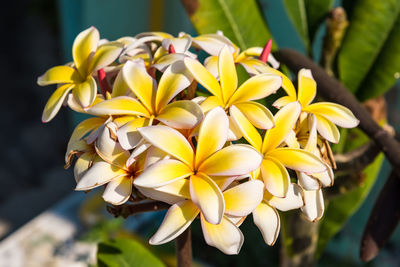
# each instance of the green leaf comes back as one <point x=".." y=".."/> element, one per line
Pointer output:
<point x="240" y="21"/>
<point x="370" y="25"/>
<point x="122" y="252"/>
<point x="385" y="70"/>
<point x="316" y="11"/>
<point x="296" y="11"/>
<point x="341" y="208"/>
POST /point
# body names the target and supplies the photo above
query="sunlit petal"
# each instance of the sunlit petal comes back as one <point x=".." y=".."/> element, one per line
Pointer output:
<point x="55" y="101"/>
<point x="227" y="73"/>
<point x="183" y="114"/>
<point x="59" y="74"/>
<point x="307" y="182"/>
<point x="293" y="199"/>
<point x="100" y="173"/>
<point x="284" y="119"/>
<point x="275" y="176"/>
<point x="327" y="129"/>
<point x="287" y="85"/>
<point x="242" y="199"/>
<point x="213" y="43"/>
<point x="212" y="134"/>
<point x="225" y="236"/>
<point x="105" y="55"/>
<point x="84" y="46"/>
<point x="170" y="141"/>
<point x="257" y="114"/>
<point x="121" y="105"/>
<point x="314" y="206"/>
<point x="210" y="103"/>
<point x="118" y="190"/>
<point x="203" y="76"/>
<point x="247" y="129"/>
<point x="268" y="222"/>
<point x="307" y="87"/>
<point x="211" y="64"/>
<point x="82" y="164"/>
<point x="174" y="80"/>
<point x="85" y="93"/>
<point x="162" y="173"/>
<point x="335" y="113"/>
<point x="207" y="196"/>
<point x="176" y="221"/>
<point x="170" y="193"/>
<point x="140" y="82"/>
<point x="297" y="159"/>
<point x="232" y="160"/>
<point x="256" y="87"/>
<point x="282" y="101"/>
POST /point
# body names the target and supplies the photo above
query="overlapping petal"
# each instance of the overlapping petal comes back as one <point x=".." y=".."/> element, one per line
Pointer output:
<point x="183" y="114"/>
<point x="59" y="74"/>
<point x="55" y="101"/>
<point x="227" y="73"/>
<point x="121" y="105"/>
<point x="84" y="46"/>
<point x="307" y="87"/>
<point x="176" y="221"/>
<point x="85" y="92"/>
<point x="335" y="113"/>
<point x="232" y="160"/>
<point x="268" y="222"/>
<point x="162" y="173"/>
<point x="293" y="199"/>
<point x="257" y="114"/>
<point x="275" y="176"/>
<point x="170" y="141"/>
<point x="118" y="190"/>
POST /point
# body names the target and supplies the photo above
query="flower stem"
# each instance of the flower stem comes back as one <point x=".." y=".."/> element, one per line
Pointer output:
<point x="184" y="249"/>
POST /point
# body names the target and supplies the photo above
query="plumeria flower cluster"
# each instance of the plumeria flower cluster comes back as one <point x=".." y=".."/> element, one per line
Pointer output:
<point x="167" y="126"/>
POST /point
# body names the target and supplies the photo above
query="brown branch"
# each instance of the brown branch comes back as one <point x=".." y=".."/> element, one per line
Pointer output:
<point x="129" y="209"/>
<point x="332" y="90"/>
<point x="184" y="249"/>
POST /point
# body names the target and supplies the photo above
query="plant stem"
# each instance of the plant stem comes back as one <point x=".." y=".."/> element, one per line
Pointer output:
<point x="184" y="249"/>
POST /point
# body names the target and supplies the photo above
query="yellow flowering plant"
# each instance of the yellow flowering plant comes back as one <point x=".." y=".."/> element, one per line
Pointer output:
<point x="151" y="137"/>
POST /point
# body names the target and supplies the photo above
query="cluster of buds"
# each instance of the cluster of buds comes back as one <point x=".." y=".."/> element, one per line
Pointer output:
<point x="167" y="127"/>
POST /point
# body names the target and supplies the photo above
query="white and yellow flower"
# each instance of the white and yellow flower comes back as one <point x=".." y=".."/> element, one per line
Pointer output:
<point x="210" y="161"/>
<point x="152" y="103"/>
<point x="227" y="95"/>
<point x="88" y="57"/>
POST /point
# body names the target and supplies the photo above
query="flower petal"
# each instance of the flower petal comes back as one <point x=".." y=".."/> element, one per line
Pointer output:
<point x="121" y="105"/>
<point x="59" y="74"/>
<point x="293" y="199"/>
<point x="275" y="176"/>
<point x="282" y="101"/>
<point x="213" y="134"/>
<point x="207" y="196"/>
<point x="307" y="87"/>
<point x="173" y="81"/>
<point x="169" y="140"/>
<point x="227" y="73"/>
<point x="233" y="160"/>
<point x="213" y="43"/>
<point x="100" y="173"/>
<point x="327" y="129"/>
<point x="128" y="136"/>
<point x="84" y="46"/>
<point x="55" y="101"/>
<point x="162" y="173"/>
<point x="246" y="128"/>
<point x="82" y="165"/>
<point x="307" y="182"/>
<point x="242" y="199"/>
<point x="120" y="88"/>
<point x="183" y="114"/>
<point x="314" y="206"/>
<point x="256" y="87"/>
<point x="211" y="102"/>
<point x="118" y="190"/>
<point x="85" y="93"/>
<point x="326" y="178"/>
<point x="203" y="76"/>
<point x="140" y="82"/>
<point x="105" y="55"/>
<point x="165" y="61"/>
<point x="287" y="84"/>
<point x="297" y="159"/>
<point x="225" y="236"/>
<point x="110" y="150"/>
<point x="268" y="222"/>
<point x="170" y="193"/>
<point x="211" y="64"/>
<point x="335" y="113"/>
<point x="176" y="221"/>
<point x="284" y="119"/>
<point x="257" y="114"/>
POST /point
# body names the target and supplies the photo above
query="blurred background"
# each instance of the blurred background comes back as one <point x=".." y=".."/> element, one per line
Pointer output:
<point x="43" y="222"/>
